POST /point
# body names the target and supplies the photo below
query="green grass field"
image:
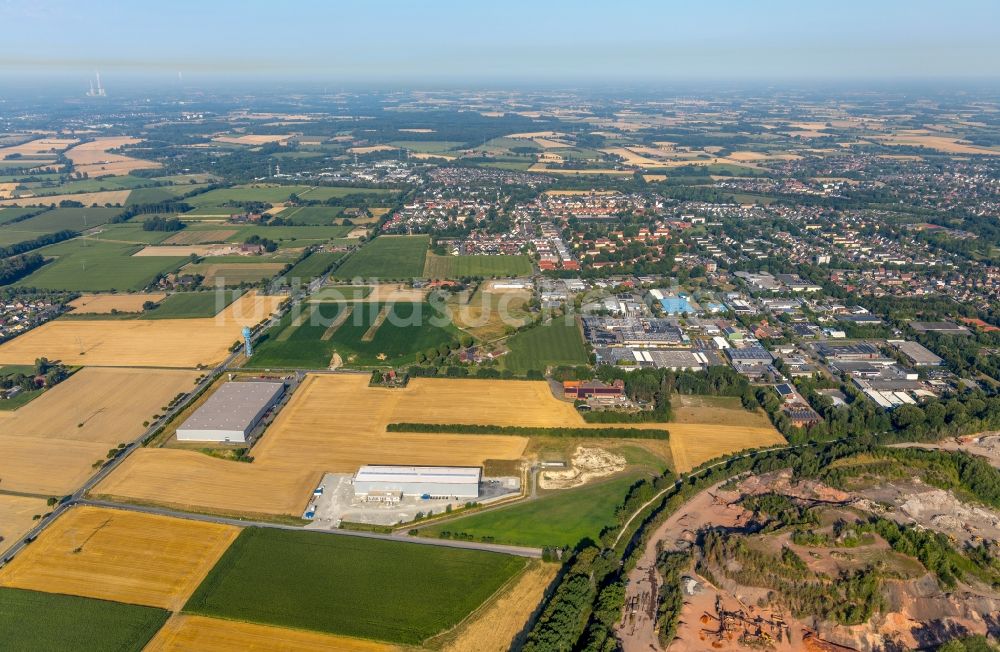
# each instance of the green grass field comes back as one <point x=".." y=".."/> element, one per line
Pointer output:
<point x="311" y="215"/>
<point x="322" y="193"/>
<point x="302" y="346"/>
<point x="441" y="267"/>
<point x="564" y="517"/>
<point x="161" y="193"/>
<point x="427" y="146"/>
<point x="341" y="293"/>
<point x="97" y="266"/>
<point x="316" y="264"/>
<point x="131" y="231"/>
<point x="192" y="305"/>
<point x="290" y="236"/>
<point x="30" y="620"/>
<point x="556" y="342"/>
<point x="77" y="219"/>
<point x="387" y="257"/>
<point x="126" y="182"/>
<point x="270" y="194"/>
<point x="12" y="235"/>
<point x="14" y="212"/>
<point x="384" y="590"/>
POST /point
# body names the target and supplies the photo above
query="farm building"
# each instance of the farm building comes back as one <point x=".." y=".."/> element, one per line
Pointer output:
<point x="231" y="412"/>
<point x="576" y="389"/>
<point x="389" y="483"/>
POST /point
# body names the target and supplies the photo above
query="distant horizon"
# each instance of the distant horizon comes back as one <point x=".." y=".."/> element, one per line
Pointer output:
<point x="451" y="42"/>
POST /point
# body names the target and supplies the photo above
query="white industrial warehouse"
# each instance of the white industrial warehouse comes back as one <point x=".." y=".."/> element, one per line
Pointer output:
<point x="231" y="413"/>
<point x="391" y="483"/>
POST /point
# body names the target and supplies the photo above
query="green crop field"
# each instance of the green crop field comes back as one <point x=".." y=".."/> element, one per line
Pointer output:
<point x="290" y="236"/>
<point x="482" y="266"/>
<point x="91" y="185"/>
<point x="85" y="264"/>
<point x="162" y="193"/>
<point x="131" y="231"/>
<point x="192" y="305"/>
<point x="14" y="212"/>
<point x="311" y="215"/>
<point x="322" y="193"/>
<point x="316" y="264"/>
<point x="384" y="590"/>
<point x="564" y="517"/>
<point x="30" y="620"/>
<point x="288" y="345"/>
<point x="77" y="219"/>
<point x="388" y="257"/>
<point x="341" y="293"/>
<point x="427" y="146"/>
<point x="9" y="236"/>
<point x="270" y="194"/>
<point x="557" y="342"/>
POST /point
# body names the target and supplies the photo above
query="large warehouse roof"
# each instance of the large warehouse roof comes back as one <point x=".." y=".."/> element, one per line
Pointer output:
<point x="234" y="406"/>
<point x="436" y="474"/>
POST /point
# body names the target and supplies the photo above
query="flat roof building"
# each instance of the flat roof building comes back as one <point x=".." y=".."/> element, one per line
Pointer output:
<point x="231" y="413"/>
<point x="434" y="481"/>
<point x="917" y="353"/>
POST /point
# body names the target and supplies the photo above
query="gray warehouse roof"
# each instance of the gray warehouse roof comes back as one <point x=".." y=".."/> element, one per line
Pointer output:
<point x="436" y="474"/>
<point x="233" y="406"/>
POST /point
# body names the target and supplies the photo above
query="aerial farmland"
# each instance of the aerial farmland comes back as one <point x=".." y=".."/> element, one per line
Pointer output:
<point x="353" y="340"/>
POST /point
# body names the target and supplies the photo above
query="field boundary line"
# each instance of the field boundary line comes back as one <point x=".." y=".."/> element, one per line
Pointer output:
<point x="486" y="604"/>
<point x="383" y="314"/>
<point x="337" y="323"/>
<point x="300" y="319"/>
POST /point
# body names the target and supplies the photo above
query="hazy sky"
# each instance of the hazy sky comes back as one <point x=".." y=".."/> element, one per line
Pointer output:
<point x="475" y="40"/>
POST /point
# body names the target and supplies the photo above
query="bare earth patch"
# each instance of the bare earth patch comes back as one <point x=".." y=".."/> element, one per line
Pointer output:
<point x="586" y="465"/>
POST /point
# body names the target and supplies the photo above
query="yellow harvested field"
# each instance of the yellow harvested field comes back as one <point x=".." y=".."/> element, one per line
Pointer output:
<point x="99" y="405"/>
<point x="631" y="157"/>
<point x="188" y="633"/>
<point x="123" y="556"/>
<point x="653" y="178"/>
<point x="254" y="139"/>
<point x="380" y="293"/>
<point x="946" y="144"/>
<point x="337" y="423"/>
<point x="423" y="156"/>
<point x="102" y="304"/>
<point x="49" y="445"/>
<point x="141" y="343"/>
<point x="371" y="149"/>
<point x="51" y="467"/>
<point x="694" y="443"/>
<point x="117" y="197"/>
<point x="186" y="250"/>
<point x="493" y="629"/>
<point x="94" y="158"/>
<point x="418" y="131"/>
<point x="7" y="190"/>
<point x="189" y="236"/>
<point x="17" y="517"/>
<point x="39" y="147"/>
